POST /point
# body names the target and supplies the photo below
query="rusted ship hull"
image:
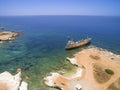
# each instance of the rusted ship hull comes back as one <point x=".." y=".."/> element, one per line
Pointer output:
<point x="74" y="45"/>
<point x="77" y="46"/>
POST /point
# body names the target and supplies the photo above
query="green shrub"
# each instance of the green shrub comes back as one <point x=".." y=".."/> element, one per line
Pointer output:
<point x="109" y="71"/>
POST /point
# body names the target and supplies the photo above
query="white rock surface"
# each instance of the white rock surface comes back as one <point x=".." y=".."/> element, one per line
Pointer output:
<point x="49" y="79"/>
<point x="23" y="86"/>
<point x="11" y="82"/>
<point x="77" y="74"/>
<point x="78" y="87"/>
<point x="73" y="61"/>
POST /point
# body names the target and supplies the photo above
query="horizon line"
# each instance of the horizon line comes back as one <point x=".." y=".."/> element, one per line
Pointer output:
<point x="63" y="15"/>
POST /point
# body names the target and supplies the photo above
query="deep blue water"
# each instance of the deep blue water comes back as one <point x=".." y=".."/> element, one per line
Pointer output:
<point x="40" y="48"/>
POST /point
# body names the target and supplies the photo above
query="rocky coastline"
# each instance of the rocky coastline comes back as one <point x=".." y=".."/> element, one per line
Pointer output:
<point x="12" y="82"/>
<point x="98" y="69"/>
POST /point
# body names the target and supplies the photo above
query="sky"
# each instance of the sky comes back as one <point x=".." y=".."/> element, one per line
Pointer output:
<point x="60" y="7"/>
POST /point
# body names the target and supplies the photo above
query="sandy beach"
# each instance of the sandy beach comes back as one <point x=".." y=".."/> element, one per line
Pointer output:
<point x="98" y="69"/>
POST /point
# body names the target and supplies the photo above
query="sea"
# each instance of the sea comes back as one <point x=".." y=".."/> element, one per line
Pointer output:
<point x="40" y="48"/>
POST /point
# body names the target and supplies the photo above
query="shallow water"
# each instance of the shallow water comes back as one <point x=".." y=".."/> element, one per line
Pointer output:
<point x="40" y="48"/>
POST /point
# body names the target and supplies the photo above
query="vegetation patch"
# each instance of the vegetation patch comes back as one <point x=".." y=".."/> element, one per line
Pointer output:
<point x="109" y="71"/>
<point x="99" y="74"/>
<point x="94" y="57"/>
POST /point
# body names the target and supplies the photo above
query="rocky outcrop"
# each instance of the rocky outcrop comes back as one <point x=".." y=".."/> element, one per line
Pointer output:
<point x="12" y="82"/>
<point x="8" y="36"/>
<point x="49" y="79"/>
<point x="97" y="69"/>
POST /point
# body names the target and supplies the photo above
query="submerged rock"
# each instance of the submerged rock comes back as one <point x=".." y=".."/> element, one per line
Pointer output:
<point x="2" y="28"/>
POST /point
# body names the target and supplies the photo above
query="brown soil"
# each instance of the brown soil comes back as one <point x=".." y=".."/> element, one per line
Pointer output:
<point x="115" y="85"/>
<point x="99" y="74"/>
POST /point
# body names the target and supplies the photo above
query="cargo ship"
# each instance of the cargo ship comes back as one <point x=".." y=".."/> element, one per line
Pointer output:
<point x="72" y="44"/>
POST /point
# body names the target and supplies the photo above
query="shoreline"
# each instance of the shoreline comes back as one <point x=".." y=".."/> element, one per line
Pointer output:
<point x="87" y="62"/>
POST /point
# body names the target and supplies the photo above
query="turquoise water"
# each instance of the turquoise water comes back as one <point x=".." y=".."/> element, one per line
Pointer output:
<point x="40" y="48"/>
